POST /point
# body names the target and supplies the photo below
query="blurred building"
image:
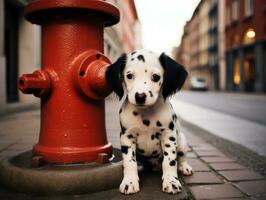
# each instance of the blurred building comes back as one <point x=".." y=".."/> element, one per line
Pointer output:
<point x="19" y="53"/>
<point x="194" y="51"/>
<point x="246" y="45"/>
<point x="20" y="47"/>
<point x="126" y="35"/>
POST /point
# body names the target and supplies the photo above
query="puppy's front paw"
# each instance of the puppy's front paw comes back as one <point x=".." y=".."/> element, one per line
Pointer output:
<point x="186" y="169"/>
<point x="171" y="185"/>
<point x="129" y="185"/>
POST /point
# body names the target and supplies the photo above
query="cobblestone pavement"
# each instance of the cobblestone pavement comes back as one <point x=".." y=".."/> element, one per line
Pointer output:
<point x="219" y="172"/>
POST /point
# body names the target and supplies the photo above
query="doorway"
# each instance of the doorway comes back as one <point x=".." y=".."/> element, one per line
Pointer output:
<point x="249" y="72"/>
<point x="11" y="39"/>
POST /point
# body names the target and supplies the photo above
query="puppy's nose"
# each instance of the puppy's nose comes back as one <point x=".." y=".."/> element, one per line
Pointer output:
<point x="140" y="98"/>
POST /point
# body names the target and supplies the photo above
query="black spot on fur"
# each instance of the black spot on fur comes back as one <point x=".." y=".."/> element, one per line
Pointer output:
<point x="152" y="136"/>
<point x="135" y="113"/>
<point x="157" y="135"/>
<point x="123" y="129"/>
<point x="151" y="95"/>
<point x="167" y="145"/>
<point x="180" y="153"/>
<point x="140" y="150"/>
<point x="172" y="163"/>
<point x="146" y="122"/>
<point x="133" y="154"/>
<point x="173" y="152"/>
<point x="154" y="152"/>
<point x="174" y="117"/>
<point x="141" y="58"/>
<point x="171" y="125"/>
<point x="132" y="53"/>
<point x="124" y="149"/>
<point x="132" y="59"/>
<point x="162" y="129"/>
<point x="158" y="123"/>
<point x="145" y="82"/>
<point x="130" y="136"/>
<point x="172" y="138"/>
<point x="146" y="71"/>
<point x="156" y="156"/>
<point x="165" y="153"/>
<point x="120" y="110"/>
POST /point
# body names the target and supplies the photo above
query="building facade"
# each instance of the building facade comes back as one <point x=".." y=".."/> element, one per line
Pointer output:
<point x="246" y="45"/>
<point x="20" y="47"/>
<point x="19" y="53"/>
<point x="194" y="51"/>
<point x="203" y="44"/>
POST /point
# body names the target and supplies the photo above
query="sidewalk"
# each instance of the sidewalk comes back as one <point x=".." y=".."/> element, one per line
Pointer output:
<point x="217" y="174"/>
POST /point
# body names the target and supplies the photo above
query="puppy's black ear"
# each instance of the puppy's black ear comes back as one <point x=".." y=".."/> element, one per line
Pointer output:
<point x="114" y="75"/>
<point x="174" y="75"/>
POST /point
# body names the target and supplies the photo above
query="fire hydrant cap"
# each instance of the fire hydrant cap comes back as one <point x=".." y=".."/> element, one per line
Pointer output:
<point x="36" y="10"/>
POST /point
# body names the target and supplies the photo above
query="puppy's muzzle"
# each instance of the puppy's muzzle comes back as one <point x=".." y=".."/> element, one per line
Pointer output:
<point x="140" y="98"/>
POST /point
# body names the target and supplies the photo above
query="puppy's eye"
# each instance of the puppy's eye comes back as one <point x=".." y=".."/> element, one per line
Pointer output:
<point x="130" y="76"/>
<point x="155" y="77"/>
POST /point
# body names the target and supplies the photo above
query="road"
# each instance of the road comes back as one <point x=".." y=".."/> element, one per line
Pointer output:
<point x="246" y="106"/>
<point x="239" y="118"/>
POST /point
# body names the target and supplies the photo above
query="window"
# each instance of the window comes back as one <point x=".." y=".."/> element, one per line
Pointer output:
<point x="236" y="72"/>
<point x="235" y="10"/>
<point x="248" y="8"/>
<point x="249" y="36"/>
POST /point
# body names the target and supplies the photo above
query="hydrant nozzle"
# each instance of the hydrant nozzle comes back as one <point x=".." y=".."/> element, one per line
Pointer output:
<point x="37" y="83"/>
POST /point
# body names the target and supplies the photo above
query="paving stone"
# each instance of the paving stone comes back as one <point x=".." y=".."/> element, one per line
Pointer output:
<point x="259" y="198"/>
<point x="202" y="177"/>
<point x="226" y="166"/>
<point x="217" y="159"/>
<point x="196" y="143"/>
<point x="240" y="175"/>
<point x="215" y="191"/>
<point x="209" y="153"/>
<point x="198" y="165"/>
<point x="252" y="187"/>
<point x="234" y="199"/>
<point x="204" y="147"/>
<point x="191" y="155"/>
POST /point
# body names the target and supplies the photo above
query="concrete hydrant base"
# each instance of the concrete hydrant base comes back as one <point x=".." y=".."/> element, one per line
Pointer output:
<point x="17" y="174"/>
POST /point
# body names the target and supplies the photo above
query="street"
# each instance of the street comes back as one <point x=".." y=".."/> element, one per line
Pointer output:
<point x="239" y="118"/>
<point x="246" y="106"/>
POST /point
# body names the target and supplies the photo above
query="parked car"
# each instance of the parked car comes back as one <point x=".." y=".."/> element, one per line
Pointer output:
<point x="198" y="84"/>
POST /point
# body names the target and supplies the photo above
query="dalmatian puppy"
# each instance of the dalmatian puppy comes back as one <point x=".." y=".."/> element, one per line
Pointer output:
<point x="150" y="131"/>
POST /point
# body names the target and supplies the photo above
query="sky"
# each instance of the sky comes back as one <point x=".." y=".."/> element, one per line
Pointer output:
<point x="162" y="22"/>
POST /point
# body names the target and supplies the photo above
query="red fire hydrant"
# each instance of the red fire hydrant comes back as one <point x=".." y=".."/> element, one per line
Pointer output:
<point x="71" y="81"/>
